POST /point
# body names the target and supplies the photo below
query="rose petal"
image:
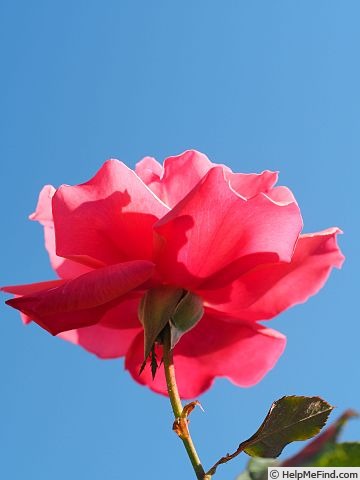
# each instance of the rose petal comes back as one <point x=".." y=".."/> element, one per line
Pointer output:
<point x="19" y="290"/>
<point x="108" y="219"/>
<point x="243" y="353"/>
<point x="84" y="300"/>
<point x="181" y="173"/>
<point x="281" y="195"/>
<point x="113" y="336"/>
<point x="192" y="377"/>
<point x="213" y="227"/>
<point x="103" y="341"/>
<point x="178" y="177"/>
<point x="272" y="288"/>
<point x="43" y="214"/>
<point x="150" y="171"/>
<point x="125" y="315"/>
<point x="250" y="184"/>
<point x="32" y="287"/>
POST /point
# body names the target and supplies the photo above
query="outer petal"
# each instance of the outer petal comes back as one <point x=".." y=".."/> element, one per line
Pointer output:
<point x="125" y="315"/>
<point x="32" y="287"/>
<point x="103" y="341"/>
<point x="85" y="300"/>
<point x="108" y="219"/>
<point x="213" y="226"/>
<point x="269" y="289"/>
<point x="43" y="214"/>
<point x="113" y="336"/>
<point x="19" y="290"/>
<point x="243" y="353"/>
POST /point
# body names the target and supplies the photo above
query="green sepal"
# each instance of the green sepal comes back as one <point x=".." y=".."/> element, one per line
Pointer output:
<point x="187" y="314"/>
<point x="155" y="309"/>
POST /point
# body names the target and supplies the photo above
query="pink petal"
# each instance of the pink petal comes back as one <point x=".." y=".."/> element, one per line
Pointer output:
<point x="178" y="177"/>
<point x="103" y="341"/>
<point x="242" y="352"/>
<point x="150" y="171"/>
<point x="43" y="214"/>
<point x="25" y="319"/>
<point x="108" y="219"/>
<point x="63" y="267"/>
<point x="19" y="290"/>
<point x="113" y="336"/>
<point x="191" y="377"/>
<point x="30" y="288"/>
<point x="181" y="173"/>
<point x="281" y="195"/>
<point x="214" y="227"/>
<point x="125" y="315"/>
<point x="84" y="300"/>
<point x="272" y="288"/>
<point x="250" y="184"/>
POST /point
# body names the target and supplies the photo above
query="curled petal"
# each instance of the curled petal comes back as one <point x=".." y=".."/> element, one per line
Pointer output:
<point x="84" y="300"/>
<point x="214" y="226"/>
<point x="150" y="171"/>
<point x="181" y="173"/>
<point x="243" y="353"/>
<point x="281" y="195"/>
<point x="178" y="177"/>
<point x="108" y="219"/>
<point x="250" y="184"/>
<point x="43" y="214"/>
<point x="270" y="289"/>
<point x="30" y="288"/>
<point x="20" y="290"/>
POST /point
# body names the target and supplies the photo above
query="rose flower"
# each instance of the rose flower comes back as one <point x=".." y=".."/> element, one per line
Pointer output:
<point x="187" y="229"/>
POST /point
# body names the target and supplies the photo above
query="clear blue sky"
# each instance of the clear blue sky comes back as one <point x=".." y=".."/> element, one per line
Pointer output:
<point x="253" y="84"/>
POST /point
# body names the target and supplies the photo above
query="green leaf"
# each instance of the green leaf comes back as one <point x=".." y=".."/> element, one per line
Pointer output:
<point x="289" y="419"/>
<point x="340" y="455"/>
<point x="323" y="442"/>
<point x="155" y="309"/>
<point x="256" y="469"/>
<point x="187" y="314"/>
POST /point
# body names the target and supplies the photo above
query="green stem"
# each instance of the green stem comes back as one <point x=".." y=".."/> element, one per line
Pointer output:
<point x="181" y="421"/>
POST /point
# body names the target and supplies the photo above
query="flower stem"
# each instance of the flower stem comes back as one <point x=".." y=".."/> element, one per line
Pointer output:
<point x="181" y="421"/>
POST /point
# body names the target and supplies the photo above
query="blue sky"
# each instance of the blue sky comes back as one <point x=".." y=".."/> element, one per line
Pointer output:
<point x="256" y="85"/>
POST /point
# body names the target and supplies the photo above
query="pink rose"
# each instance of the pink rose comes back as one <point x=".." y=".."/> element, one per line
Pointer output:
<point x="231" y="239"/>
